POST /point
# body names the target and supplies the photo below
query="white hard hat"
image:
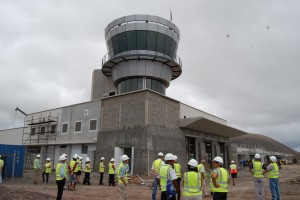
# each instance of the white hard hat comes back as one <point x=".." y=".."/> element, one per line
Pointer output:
<point x="175" y="157"/>
<point x="124" y="157"/>
<point x="218" y="159"/>
<point x="102" y="158"/>
<point x="38" y="156"/>
<point x="257" y="156"/>
<point x="48" y="159"/>
<point x="169" y="156"/>
<point x="62" y="157"/>
<point x="80" y="158"/>
<point x="75" y="155"/>
<point x="232" y="161"/>
<point x="273" y="158"/>
<point x="160" y="154"/>
<point x="193" y="163"/>
<point x="65" y="155"/>
<point x="87" y="159"/>
<point x="112" y="160"/>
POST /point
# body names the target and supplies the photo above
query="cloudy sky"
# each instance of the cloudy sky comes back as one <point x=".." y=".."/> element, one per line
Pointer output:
<point x="241" y="58"/>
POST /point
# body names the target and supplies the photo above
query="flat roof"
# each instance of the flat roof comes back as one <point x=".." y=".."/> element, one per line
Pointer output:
<point x="205" y="125"/>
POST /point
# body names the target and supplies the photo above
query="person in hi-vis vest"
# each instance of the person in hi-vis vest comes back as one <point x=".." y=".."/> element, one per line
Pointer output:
<point x="273" y="174"/>
<point x="257" y="168"/>
<point x="192" y="182"/>
<point x="219" y="180"/>
<point x="111" y="172"/>
<point x="61" y="174"/>
<point x="37" y="168"/>
<point x="122" y="177"/>
<point x="233" y="172"/>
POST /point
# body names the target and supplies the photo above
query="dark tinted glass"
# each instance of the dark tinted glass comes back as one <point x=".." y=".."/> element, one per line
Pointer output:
<point x="131" y="40"/>
<point x="122" y="86"/>
<point x="127" y="85"/>
<point x="133" y="84"/>
<point x="168" y="45"/>
<point x="141" y="40"/>
<point x="151" y="40"/>
<point x="160" y="42"/>
<point x="123" y="42"/>
<point x="140" y="83"/>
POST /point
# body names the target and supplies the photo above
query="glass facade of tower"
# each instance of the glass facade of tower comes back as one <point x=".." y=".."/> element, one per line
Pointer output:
<point x="133" y="84"/>
<point x="142" y="40"/>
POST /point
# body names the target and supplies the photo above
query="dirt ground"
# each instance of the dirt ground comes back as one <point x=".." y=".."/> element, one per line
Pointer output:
<point x="23" y="188"/>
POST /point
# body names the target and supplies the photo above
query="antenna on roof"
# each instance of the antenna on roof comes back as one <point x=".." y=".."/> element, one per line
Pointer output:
<point x="171" y="15"/>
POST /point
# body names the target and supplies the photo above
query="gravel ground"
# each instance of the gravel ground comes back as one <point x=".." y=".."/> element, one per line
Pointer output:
<point x="23" y="188"/>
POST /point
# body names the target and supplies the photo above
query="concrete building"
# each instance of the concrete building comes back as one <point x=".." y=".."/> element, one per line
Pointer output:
<point x="129" y="112"/>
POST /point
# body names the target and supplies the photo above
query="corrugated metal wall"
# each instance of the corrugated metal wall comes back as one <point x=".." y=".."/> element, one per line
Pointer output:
<point x="13" y="156"/>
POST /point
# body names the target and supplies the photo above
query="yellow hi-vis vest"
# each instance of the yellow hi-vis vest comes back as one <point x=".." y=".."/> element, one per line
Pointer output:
<point x="110" y="168"/>
<point x="87" y="167"/>
<point x="233" y="169"/>
<point x="78" y="166"/>
<point x="192" y="184"/>
<point x="274" y="173"/>
<point x="257" y="169"/>
<point x="36" y="164"/>
<point x="177" y="168"/>
<point x="57" y="171"/>
<point x="101" y="167"/>
<point x="157" y="164"/>
<point x="1" y="163"/>
<point x="164" y="174"/>
<point x="48" y="167"/>
<point x="222" y="180"/>
<point x="199" y="167"/>
<point x="119" y="173"/>
<point x="72" y="165"/>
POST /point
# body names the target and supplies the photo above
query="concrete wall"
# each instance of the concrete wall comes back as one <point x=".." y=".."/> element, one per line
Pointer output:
<point x="189" y="112"/>
<point x="83" y="113"/>
<point x="101" y="85"/>
<point x="11" y="136"/>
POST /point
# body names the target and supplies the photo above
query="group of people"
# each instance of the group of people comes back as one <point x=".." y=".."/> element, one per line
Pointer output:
<point x="258" y="169"/>
<point x="74" y="169"/>
<point x="167" y="171"/>
<point x="168" y="175"/>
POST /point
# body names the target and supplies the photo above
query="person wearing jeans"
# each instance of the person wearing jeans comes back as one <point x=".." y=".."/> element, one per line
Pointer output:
<point x="273" y="174"/>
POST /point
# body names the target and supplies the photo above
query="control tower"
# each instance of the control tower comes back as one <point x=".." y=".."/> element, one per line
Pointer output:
<point x="141" y="54"/>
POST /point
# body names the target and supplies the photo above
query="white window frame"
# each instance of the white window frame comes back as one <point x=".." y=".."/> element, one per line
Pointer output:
<point x="62" y="125"/>
<point x="90" y="125"/>
<point x="80" y="127"/>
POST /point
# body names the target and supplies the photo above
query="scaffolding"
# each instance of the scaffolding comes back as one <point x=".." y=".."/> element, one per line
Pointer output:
<point x="38" y="132"/>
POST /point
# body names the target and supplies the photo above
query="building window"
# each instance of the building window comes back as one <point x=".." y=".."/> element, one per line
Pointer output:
<point x="155" y="85"/>
<point x="93" y="125"/>
<point x="131" y="84"/>
<point x="53" y="129"/>
<point x="43" y="130"/>
<point x="32" y="131"/>
<point x="64" y="129"/>
<point x="84" y="149"/>
<point x="142" y="40"/>
<point x="78" y="127"/>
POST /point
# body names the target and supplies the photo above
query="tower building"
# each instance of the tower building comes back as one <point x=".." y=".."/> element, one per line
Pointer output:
<point x="141" y="54"/>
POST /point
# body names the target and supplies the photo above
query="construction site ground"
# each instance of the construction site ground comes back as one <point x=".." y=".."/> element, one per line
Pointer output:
<point x="23" y="188"/>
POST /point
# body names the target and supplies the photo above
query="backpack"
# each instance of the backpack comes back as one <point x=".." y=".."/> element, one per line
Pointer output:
<point x="170" y="190"/>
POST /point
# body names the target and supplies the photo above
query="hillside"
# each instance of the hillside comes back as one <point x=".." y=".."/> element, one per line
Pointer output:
<point x="261" y="140"/>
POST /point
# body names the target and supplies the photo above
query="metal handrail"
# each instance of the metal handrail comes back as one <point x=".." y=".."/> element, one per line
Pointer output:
<point x="110" y="55"/>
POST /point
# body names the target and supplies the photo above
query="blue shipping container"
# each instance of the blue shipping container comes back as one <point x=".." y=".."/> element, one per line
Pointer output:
<point x="8" y="152"/>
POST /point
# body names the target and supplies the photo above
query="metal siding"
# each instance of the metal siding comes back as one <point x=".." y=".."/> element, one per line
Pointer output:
<point x="6" y="152"/>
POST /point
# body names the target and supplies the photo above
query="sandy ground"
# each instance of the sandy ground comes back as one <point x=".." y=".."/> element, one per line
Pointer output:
<point x="23" y="188"/>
